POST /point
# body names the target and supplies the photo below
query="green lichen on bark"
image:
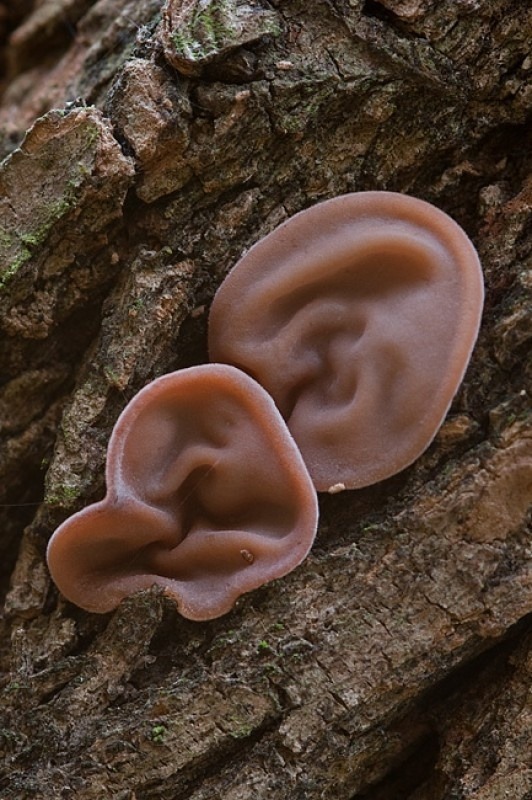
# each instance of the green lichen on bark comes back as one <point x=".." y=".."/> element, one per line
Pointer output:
<point x="13" y="255"/>
<point x="208" y="29"/>
<point x="29" y="218"/>
<point x="199" y="31"/>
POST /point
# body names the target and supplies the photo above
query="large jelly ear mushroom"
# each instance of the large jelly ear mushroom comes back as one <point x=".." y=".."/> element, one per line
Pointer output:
<point x="207" y="497"/>
<point x="358" y="316"/>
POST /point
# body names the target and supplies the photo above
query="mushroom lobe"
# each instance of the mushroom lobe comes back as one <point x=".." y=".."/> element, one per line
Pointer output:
<point x="207" y="496"/>
<point x="358" y="316"/>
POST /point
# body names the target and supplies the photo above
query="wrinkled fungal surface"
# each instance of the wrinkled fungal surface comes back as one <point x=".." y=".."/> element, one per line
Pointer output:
<point x="358" y="316"/>
<point x="207" y="496"/>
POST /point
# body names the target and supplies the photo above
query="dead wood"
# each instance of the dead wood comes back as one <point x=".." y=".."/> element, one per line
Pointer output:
<point x="147" y="145"/>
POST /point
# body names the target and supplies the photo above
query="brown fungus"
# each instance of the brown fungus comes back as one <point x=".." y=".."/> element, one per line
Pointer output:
<point x="358" y="316"/>
<point x="207" y="497"/>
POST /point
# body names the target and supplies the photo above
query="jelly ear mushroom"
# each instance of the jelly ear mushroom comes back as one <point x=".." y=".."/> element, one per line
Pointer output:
<point x="208" y="497"/>
<point x="358" y="316"/>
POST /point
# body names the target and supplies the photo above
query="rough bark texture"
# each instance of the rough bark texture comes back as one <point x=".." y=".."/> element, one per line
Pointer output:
<point x="162" y="140"/>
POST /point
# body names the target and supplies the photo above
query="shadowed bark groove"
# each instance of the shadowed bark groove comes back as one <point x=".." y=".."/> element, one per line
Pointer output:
<point x="147" y="145"/>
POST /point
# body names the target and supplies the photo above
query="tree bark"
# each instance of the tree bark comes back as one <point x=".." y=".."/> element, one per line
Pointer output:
<point x="147" y="145"/>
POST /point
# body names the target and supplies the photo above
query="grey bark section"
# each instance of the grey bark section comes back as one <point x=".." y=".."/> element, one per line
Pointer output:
<point x="394" y="663"/>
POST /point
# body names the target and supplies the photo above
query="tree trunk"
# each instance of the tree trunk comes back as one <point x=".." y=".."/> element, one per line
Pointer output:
<point x="163" y="139"/>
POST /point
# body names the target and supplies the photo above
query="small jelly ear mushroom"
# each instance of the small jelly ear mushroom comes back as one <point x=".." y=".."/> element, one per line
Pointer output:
<point x="359" y="317"/>
<point x="208" y="497"/>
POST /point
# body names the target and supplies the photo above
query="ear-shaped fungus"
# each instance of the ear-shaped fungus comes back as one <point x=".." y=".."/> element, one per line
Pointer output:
<point x="208" y="497"/>
<point x="358" y="316"/>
